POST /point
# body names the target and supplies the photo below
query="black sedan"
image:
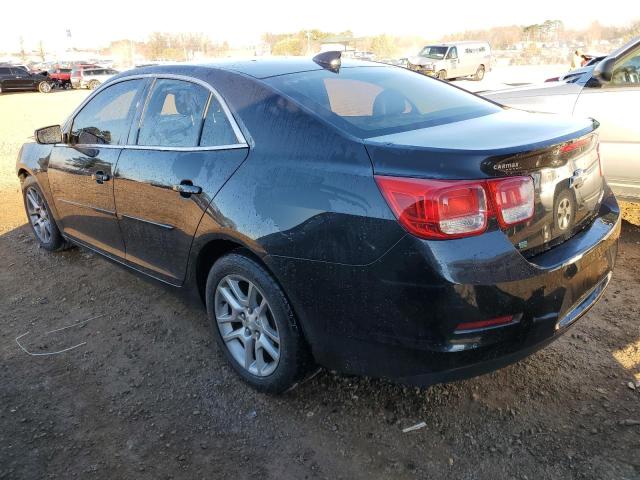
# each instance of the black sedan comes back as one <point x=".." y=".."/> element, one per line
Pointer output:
<point x="349" y="214"/>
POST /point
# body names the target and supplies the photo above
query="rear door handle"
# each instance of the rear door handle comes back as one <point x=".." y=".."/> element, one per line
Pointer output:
<point x="186" y="189"/>
<point x="100" y="177"/>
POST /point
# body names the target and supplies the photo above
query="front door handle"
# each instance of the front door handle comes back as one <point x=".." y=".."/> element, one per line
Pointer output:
<point x="187" y="189"/>
<point x="100" y="177"/>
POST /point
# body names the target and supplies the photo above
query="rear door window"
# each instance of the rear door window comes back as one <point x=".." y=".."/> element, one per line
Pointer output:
<point x="217" y="130"/>
<point x="174" y="114"/>
<point x="106" y="119"/>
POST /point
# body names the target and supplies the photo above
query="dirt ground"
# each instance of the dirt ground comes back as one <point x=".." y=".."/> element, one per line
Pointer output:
<point x="148" y="395"/>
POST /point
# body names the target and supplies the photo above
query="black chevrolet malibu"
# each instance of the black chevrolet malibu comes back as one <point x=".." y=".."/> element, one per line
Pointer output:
<point x="358" y="216"/>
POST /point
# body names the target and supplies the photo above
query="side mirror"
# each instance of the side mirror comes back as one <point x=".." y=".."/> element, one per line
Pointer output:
<point x="604" y="70"/>
<point x="49" y="135"/>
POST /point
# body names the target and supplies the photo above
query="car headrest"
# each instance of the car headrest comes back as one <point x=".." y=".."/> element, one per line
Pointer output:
<point x="389" y="102"/>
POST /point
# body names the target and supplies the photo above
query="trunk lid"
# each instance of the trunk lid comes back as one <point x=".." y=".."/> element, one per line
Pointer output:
<point x="559" y="153"/>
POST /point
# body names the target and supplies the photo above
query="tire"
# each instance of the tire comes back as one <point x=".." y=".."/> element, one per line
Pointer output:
<point x="44" y="87"/>
<point x="442" y="75"/>
<point x="42" y="223"/>
<point x="93" y="84"/>
<point x="244" y="327"/>
<point x="479" y="75"/>
<point x="564" y="211"/>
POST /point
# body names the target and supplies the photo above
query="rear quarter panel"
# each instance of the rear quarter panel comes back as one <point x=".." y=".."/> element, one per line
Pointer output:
<point x="305" y="191"/>
<point x="619" y="134"/>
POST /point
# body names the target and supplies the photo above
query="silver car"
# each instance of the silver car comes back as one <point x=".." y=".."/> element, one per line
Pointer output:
<point x="609" y="92"/>
<point x="92" y="78"/>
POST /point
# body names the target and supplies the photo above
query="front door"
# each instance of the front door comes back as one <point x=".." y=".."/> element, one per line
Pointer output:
<point x="454" y="62"/>
<point x="616" y="105"/>
<point x="81" y="170"/>
<point x="164" y="183"/>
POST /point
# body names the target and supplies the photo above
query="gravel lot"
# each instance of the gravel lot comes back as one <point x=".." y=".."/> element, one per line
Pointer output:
<point x="148" y="396"/>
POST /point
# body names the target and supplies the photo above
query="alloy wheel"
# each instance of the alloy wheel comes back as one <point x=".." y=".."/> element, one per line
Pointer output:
<point x="564" y="213"/>
<point x="38" y="215"/>
<point x="247" y="326"/>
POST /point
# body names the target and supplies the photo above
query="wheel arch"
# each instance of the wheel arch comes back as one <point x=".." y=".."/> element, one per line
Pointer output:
<point x="23" y="173"/>
<point x="215" y="248"/>
<point x="211" y="251"/>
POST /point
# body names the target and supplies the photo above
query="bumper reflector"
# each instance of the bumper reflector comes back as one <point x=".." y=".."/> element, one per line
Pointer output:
<point x="493" y="322"/>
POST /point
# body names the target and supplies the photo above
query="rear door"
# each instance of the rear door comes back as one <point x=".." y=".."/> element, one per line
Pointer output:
<point x="7" y="80"/>
<point x="616" y="106"/>
<point x="185" y="146"/>
<point x="81" y="170"/>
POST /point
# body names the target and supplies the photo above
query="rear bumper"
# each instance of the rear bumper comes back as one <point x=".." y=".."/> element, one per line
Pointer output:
<point x="398" y="317"/>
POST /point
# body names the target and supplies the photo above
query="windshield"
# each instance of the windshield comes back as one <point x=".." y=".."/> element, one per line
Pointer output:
<point x="437" y="53"/>
<point x="373" y="101"/>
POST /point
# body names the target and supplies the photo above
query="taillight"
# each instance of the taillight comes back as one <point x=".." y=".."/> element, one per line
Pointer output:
<point x="441" y="209"/>
<point x="513" y="198"/>
<point x="436" y="208"/>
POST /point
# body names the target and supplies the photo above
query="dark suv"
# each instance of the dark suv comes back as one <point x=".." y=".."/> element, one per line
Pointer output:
<point x="357" y="215"/>
<point x="16" y="78"/>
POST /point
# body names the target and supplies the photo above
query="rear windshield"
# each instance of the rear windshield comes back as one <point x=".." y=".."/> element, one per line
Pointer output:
<point x="373" y="101"/>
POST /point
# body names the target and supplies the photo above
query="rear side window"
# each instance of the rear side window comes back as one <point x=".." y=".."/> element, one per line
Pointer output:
<point x="5" y="71"/>
<point x="106" y="119"/>
<point x="217" y="130"/>
<point x="173" y="115"/>
<point x="373" y="101"/>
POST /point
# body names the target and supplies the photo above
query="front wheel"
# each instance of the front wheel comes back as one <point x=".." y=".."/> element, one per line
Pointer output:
<point x="442" y="74"/>
<point x="44" y="87"/>
<point x="42" y="222"/>
<point x="254" y="324"/>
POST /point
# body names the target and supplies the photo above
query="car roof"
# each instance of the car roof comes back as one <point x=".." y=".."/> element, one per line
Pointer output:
<point x="274" y="66"/>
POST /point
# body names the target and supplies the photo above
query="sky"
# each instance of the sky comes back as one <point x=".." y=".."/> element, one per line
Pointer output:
<point x="241" y="22"/>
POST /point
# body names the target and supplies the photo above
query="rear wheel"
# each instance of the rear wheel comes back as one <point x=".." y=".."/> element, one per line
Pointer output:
<point x="93" y="84"/>
<point x="254" y="324"/>
<point x="42" y="222"/>
<point x="479" y="75"/>
<point x="442" y="74"/>
<point x="44" y="87"/>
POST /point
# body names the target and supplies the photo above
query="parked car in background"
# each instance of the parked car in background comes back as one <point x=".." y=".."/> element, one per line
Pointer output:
<point x="608" y="91"/>
<point x="92" y="78"/>
<point x="577" y="72"/>
<point x="61" y="76"/>
<point x="453" y="60"/>
<point x="16" y="78"/>
<point x="76" y="72"/>
<point x="355" y="214"/>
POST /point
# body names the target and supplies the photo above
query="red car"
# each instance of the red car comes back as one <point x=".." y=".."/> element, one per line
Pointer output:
<point x="62" y="77"/>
